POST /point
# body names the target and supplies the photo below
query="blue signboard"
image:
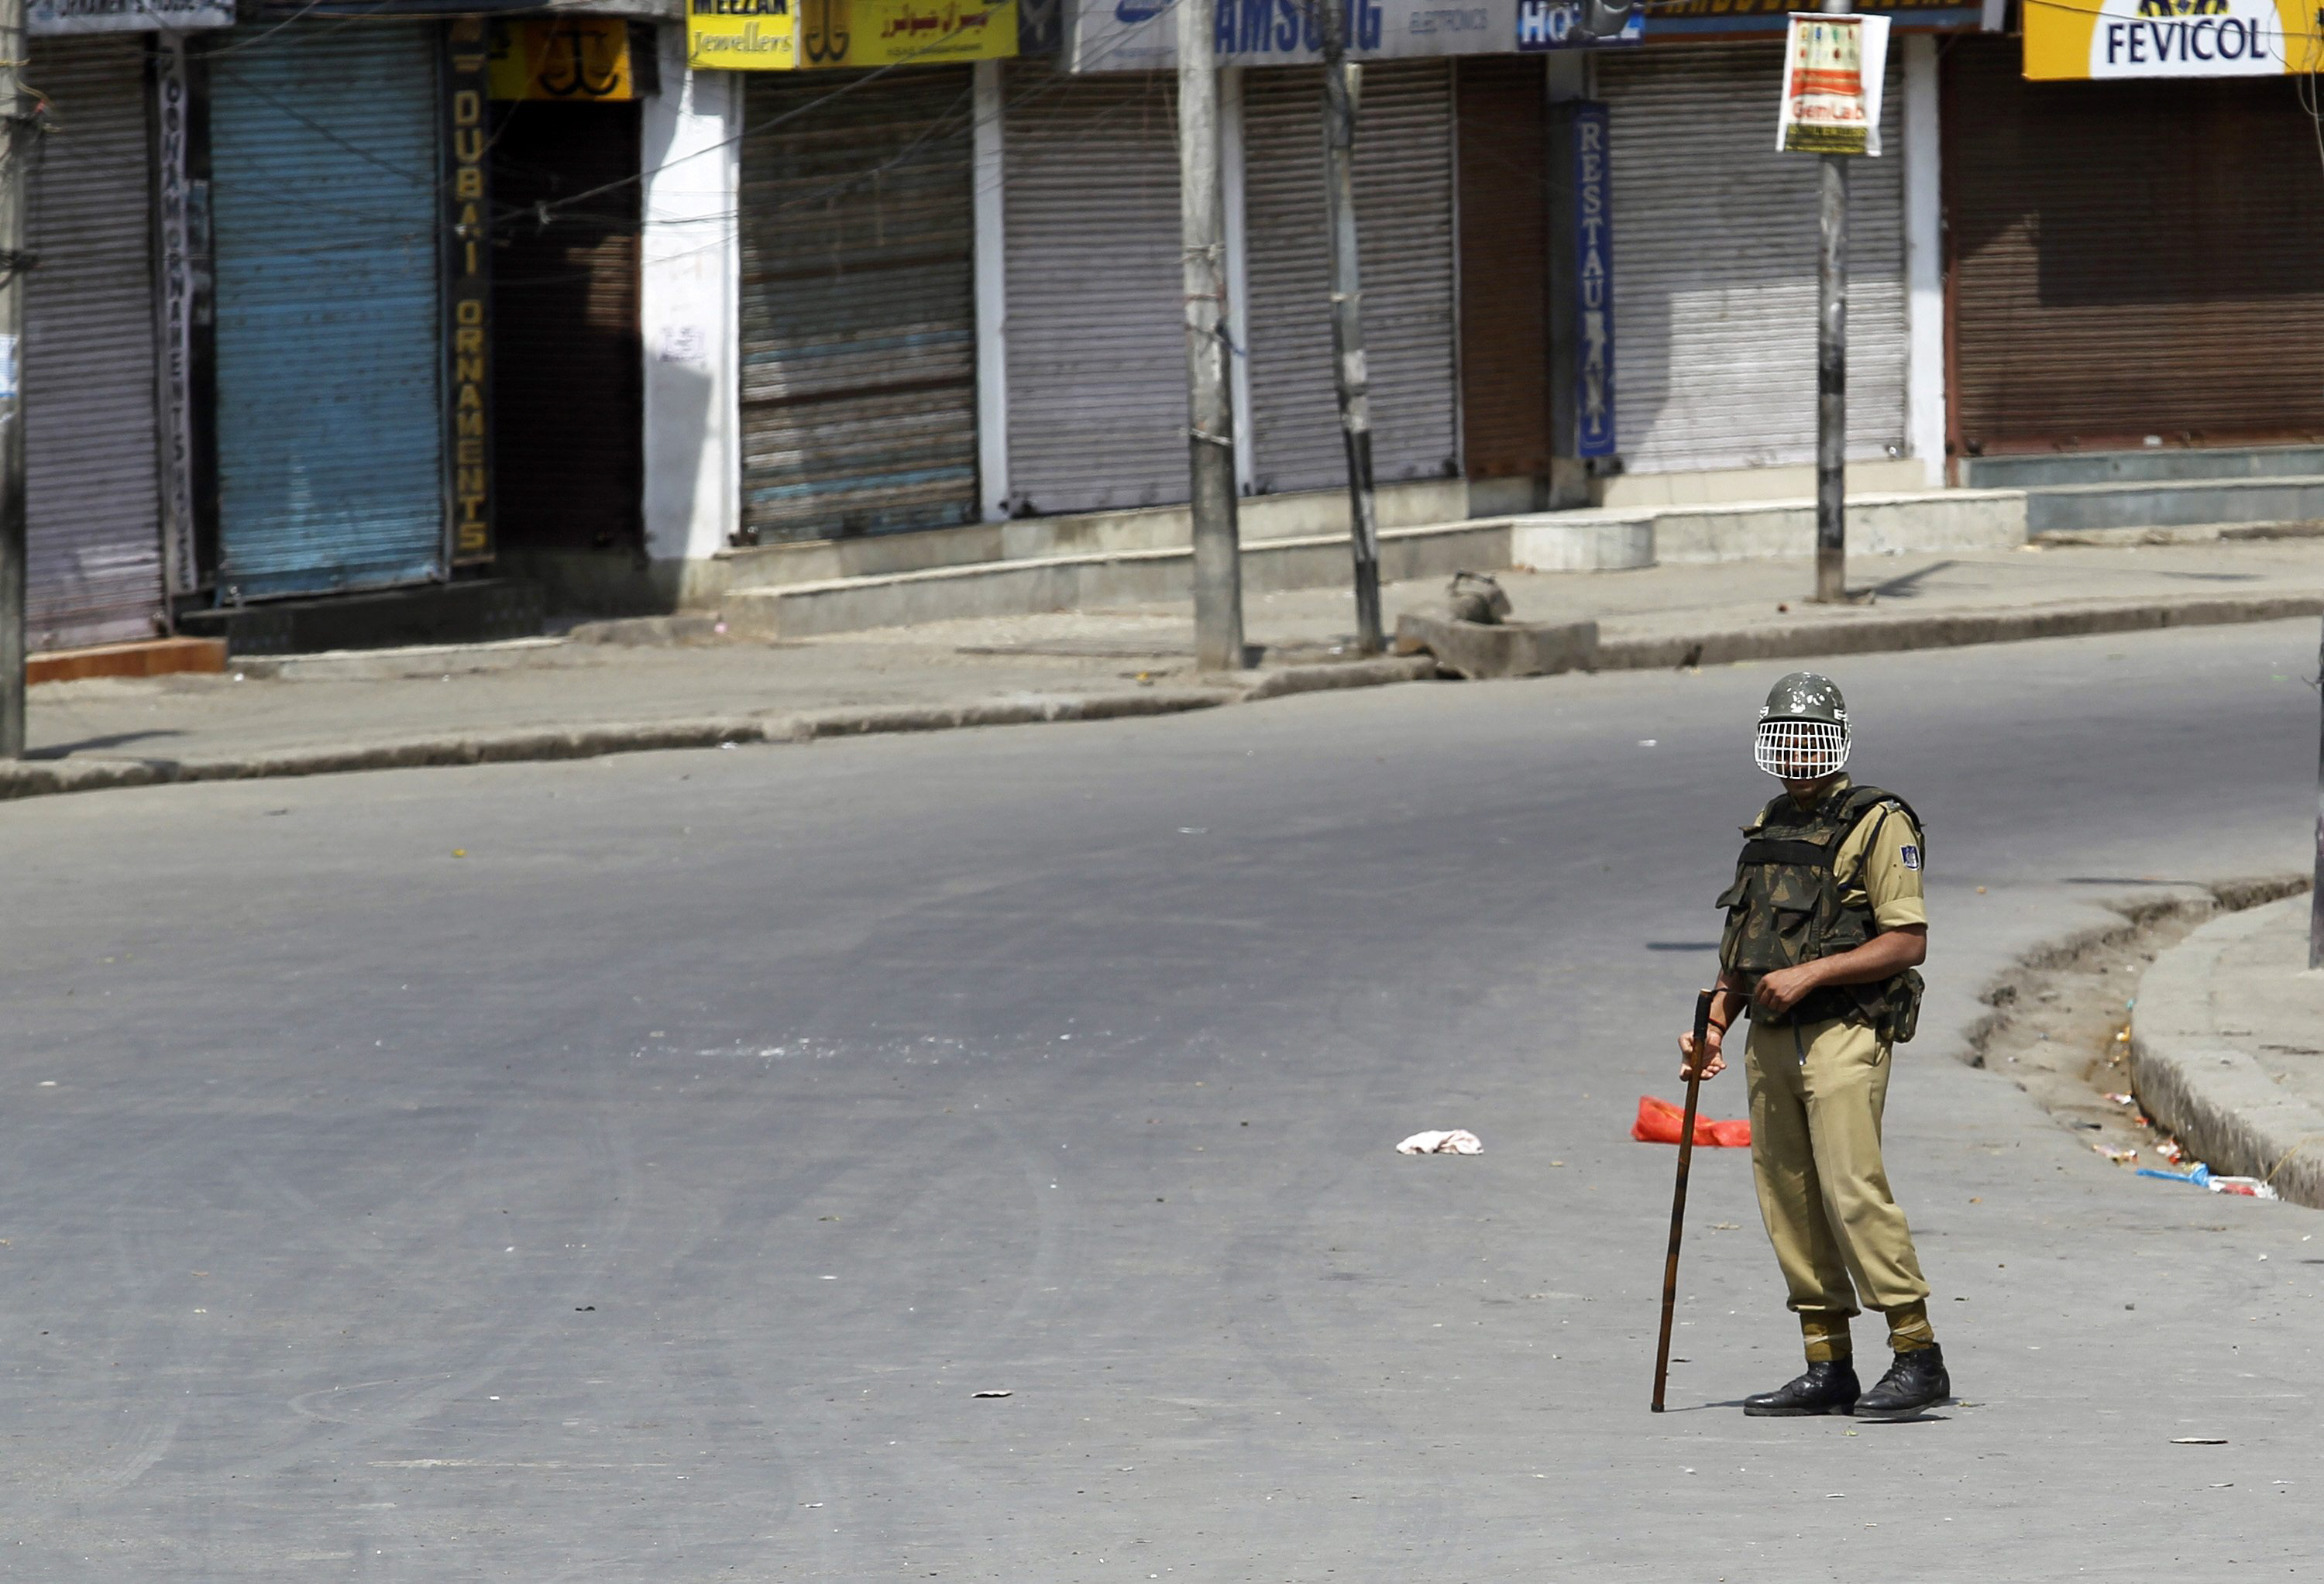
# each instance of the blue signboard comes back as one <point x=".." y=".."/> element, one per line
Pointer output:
<point x="1593" y="279"/>
<point x="1549" y="24"/>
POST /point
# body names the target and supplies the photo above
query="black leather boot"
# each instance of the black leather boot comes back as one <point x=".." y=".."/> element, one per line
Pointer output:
<point x="1826" y="1388"/>
<point x="1916" y="1382"/>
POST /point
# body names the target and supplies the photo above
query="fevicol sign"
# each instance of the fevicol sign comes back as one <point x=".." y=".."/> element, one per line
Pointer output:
<point x="2169" y="38"/>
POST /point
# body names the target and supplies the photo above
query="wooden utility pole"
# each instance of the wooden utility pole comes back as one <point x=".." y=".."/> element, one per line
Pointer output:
<point x="1210" y="401"/>
<point x="1349" y="374"/>
<point x="1831" y="370"/>
<point x="16" y="135"/>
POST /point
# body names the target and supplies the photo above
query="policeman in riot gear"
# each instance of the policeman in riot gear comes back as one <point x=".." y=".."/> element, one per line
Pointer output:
<point x="1825" y="926"/>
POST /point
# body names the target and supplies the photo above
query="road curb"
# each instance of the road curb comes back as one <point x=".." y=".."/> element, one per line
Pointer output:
<point x="1903" y="633"/>
<point x="1870" y="635"/>
<point x="1291" y="680"/>
<point x="38" y="779"/>
<point x="1024" y="710"/>
<point x="2214" y="1097"/>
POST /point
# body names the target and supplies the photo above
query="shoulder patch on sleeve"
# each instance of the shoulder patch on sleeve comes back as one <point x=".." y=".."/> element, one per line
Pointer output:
<point x="1911" y="855"/>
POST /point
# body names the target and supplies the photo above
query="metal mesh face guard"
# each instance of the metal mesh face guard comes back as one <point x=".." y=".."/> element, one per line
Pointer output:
<point x="1800" y="750"/>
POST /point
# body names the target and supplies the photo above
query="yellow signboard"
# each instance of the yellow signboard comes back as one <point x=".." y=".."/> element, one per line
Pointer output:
<point x="584" y="59"/>
<point x="2077" y="39"/>
<point x="893" y="33"/>
<point x="741" y="35"/>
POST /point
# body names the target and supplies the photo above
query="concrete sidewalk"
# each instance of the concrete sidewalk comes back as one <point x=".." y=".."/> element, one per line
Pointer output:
<point x="2228" y="1047"/>
<point x="571" y="697"/>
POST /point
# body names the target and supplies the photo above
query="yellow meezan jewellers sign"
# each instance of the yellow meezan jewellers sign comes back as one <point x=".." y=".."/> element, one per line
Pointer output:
<point x="785" y="35"/>
<point x="2081" y="38"/>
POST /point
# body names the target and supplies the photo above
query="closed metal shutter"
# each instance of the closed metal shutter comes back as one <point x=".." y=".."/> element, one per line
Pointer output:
<point x="1097" y="338"/>
<point x="1403" y="229"/>
<point x="858" y="304"/>
<point x="1504" y="108"/>
<point x="568" y="381"/>
<point x="2130" y="259"/>
<point x="1714" y="245"/>
<point x="92" y="490"/>
<point x="323" y="182"/>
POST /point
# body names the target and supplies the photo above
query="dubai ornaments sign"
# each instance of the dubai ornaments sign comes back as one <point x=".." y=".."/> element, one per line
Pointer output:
<point x="2171" y="38"/>
<point x="741" y="35"/>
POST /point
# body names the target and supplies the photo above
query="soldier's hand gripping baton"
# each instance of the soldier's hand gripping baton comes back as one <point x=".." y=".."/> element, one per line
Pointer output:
<point x="1678" y="1195"/>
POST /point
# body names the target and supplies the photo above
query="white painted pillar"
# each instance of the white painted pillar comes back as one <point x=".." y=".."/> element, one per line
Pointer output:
<point x="1232" y="185"/>
<point x="1925" y="262"/>
<point x="991" y="296"/>
<point x="688" y="313"/>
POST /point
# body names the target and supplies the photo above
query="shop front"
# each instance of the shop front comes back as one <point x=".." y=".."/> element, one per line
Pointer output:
<point x="2132" y="263"/>
<point x="857" y="320"/>
<point x="568" y="363"/>
<point x="92" y="444"/>
<point x="858" y="303"/>
<point x="1714" y="266"/>
<point x="1404" y="184"/>
<point x="93" y="360"/>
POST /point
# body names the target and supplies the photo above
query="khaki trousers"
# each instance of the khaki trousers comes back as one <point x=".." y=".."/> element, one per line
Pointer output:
<point x="1817" y="1093"/>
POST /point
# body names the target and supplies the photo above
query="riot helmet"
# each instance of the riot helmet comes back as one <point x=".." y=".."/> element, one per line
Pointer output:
<point x="1802" y="732"/>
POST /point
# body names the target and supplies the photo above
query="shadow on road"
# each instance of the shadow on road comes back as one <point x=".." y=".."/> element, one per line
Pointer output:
<point x="92" y="744"/>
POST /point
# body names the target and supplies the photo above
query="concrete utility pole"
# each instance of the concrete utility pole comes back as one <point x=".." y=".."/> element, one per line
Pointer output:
<point x="1210" y="401"/>
<point x="2316" y="890"/>
<point x="1831" y="371"/>
<point x="1349" y="372"/>
<point x="16" y="135"/>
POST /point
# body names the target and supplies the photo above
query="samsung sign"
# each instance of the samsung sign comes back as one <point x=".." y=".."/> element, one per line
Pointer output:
<point x="50" y="18"/>
<point x="1140" y="35"/>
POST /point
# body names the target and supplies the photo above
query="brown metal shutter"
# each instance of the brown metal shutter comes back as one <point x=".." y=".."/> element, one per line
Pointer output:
<point x="92" y="488"/>
<point x="1097" y="334"/>
<point x="859" y="303"/>
<point x="1504" y="110"/>
<point x="2130" y="259"/>
<point x="1404" y="226"/>
<point x="567" y="387"/>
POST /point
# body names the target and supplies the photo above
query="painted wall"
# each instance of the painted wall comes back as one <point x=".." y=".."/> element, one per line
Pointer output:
<point x="692" y="267"/>
<point x="1925" y="279"/>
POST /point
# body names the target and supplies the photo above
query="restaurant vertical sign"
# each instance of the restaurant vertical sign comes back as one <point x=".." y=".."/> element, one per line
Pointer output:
<point x="1593" y="280"/>
<point x="467" y="291"/>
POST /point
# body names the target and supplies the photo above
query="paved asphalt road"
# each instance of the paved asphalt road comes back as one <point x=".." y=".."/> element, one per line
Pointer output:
<point x="646" y="1194"/>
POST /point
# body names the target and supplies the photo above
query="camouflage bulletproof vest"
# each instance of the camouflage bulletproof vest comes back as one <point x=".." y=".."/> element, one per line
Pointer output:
<point x="1786" y="908"/>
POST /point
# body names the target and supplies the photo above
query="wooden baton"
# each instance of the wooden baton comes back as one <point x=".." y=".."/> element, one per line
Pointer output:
<point x="1678" y="1195"/>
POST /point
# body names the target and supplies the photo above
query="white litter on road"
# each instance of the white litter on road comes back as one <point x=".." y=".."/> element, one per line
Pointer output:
<point x="1456" y="1141"/>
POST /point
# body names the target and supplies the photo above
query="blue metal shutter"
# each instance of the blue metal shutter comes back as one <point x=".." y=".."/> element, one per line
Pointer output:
<point x="324" y="177"/>
<point x="92" y="486"/>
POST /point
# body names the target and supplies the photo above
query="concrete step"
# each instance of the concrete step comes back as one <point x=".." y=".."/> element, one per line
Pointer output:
<point x="1091" y="582"/>
<point x="2203" y="533"/>
<point x="2183" y="502"/>
<point x="1304" y="514"/>
<point x="1612" y="539"/>
<point x="155" y="657"/>
<point x="468" y="610"/>
<point x="2151" y="465"/>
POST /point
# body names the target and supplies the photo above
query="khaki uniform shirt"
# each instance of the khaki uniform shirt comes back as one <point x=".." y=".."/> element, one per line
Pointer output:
<point x="1878" y="865"/>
